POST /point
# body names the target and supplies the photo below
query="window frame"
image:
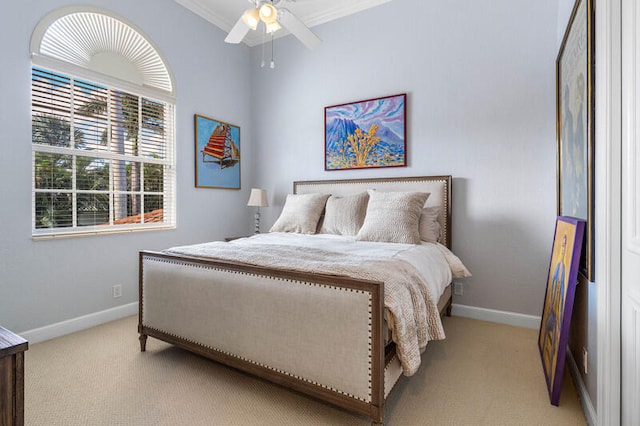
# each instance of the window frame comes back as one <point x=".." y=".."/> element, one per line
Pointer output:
<point x="66" y="41"/>
<point x="169" y="175"/>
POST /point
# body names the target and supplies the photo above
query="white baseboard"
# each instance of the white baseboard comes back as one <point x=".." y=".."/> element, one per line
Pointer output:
<point x="52" y="331"/>
<point x="91" y="320"/>
<point x="491" y="315"/>
<point x="581" y="388"/>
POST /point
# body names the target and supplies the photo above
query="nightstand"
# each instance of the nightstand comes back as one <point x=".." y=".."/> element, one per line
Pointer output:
<point x="12" y="349"/>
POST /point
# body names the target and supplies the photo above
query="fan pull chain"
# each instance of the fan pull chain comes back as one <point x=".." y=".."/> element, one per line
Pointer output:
<point x="263" y="34"/>
<point x="273" y="62"/>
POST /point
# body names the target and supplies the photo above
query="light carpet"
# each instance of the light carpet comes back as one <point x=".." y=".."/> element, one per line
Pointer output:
<point x="482" y="374"/>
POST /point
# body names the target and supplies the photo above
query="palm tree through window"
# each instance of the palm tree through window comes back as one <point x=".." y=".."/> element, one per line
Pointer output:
<point x="102" y="138"/>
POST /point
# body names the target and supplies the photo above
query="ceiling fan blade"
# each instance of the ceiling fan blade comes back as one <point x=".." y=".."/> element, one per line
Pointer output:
<point x="237" y="33"/>
<point x="296" y="27"/>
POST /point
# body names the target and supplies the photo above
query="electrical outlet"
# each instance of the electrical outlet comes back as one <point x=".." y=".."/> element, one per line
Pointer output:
<point x="458" y="289"/>
<point x="117" y="291"/>
<point x="585" y="362"/>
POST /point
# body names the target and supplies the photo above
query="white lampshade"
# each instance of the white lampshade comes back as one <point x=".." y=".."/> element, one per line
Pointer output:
<point x="268" y="13"/>
<point x="251" y="17"/>
<point x="258" y="198"/>
<point x="273" y="27"/>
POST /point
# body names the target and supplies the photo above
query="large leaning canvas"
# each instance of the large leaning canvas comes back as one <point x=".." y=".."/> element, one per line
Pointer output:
<point x="558" y="301"/>
<point x="575" y="125"/>
<point x="366" y="134"/>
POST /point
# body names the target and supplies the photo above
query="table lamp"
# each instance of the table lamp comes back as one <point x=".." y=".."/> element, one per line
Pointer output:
<point x="258" y="198"/>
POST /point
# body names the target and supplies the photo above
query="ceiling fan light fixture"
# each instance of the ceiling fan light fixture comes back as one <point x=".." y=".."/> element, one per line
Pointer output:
<point x="273" y="27"/>
<point x="268" y="13"/>
<point x="251" y="17"/>
<point x="274" y="19"/>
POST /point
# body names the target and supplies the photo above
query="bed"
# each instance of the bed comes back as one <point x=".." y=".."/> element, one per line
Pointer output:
<point x="333" y="334"/>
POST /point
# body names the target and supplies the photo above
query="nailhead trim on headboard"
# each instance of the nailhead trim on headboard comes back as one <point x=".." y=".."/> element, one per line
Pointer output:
<point x="439" y="184"/>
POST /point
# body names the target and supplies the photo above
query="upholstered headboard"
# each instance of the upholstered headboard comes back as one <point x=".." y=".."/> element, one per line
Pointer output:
<point x="438" y="186"/>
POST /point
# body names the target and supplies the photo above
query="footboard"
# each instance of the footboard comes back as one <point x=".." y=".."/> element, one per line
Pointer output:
<point x="318" y="334"/>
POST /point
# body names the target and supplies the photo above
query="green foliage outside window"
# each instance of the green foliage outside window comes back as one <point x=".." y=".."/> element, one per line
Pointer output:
<point x="92" y="186"/>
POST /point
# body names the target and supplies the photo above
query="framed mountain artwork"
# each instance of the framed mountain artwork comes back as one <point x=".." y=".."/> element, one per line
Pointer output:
<point x="366" y="134"/>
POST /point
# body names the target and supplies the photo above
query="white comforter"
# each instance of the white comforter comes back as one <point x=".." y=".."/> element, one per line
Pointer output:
<point x="414" y="275"/>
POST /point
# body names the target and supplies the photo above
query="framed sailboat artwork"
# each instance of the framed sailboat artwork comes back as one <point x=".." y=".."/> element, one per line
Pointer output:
<point x="217" y="154"/>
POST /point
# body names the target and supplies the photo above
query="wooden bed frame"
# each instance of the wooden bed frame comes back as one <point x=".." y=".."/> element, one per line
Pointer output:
<point x="161" y="315"/>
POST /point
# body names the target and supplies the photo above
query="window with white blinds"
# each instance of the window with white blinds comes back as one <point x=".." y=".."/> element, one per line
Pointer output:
<point x="102" y="157"/>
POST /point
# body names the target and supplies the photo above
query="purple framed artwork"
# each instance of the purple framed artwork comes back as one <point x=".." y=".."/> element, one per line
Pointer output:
<point x="366" y="134"/>
<point x="558" y="301"/>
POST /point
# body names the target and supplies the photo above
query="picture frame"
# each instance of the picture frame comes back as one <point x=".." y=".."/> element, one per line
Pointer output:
<point x="217" y="154"/>
<point x="366" y="134"/>
<point x="558" y="301"/>
<point x="575" y="117"/>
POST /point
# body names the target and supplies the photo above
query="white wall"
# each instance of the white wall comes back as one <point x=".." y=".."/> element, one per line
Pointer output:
<point x="481" y="106"/>
<point x="480" y="79"/>
<point x="45" y="282"/>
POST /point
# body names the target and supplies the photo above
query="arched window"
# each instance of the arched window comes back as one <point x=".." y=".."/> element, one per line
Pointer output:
<point x="102" y="105"/>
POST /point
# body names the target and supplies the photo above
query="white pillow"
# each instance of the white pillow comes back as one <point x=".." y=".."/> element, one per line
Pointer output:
<point x="393" y="217"/>
<point x="430" y="228"/>
<point x="301" y="213"/>
<point x="344" y="215"/>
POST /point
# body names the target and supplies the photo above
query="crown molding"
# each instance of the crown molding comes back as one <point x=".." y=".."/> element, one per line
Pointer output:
<point x="340" y="10"/>
<point x="205" y="10"/>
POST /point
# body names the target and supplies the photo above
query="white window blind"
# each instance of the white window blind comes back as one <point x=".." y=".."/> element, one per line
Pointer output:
<point x="102" y="157"/>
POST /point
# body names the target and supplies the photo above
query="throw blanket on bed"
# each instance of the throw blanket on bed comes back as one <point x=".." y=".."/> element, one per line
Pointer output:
<point x="411" y="311"/>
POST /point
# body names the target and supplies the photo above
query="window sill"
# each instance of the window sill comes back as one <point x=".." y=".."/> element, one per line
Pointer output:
<point x="93" y="233"/>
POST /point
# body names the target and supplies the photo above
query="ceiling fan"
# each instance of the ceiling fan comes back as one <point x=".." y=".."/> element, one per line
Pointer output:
<point x="273" y="18"/>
